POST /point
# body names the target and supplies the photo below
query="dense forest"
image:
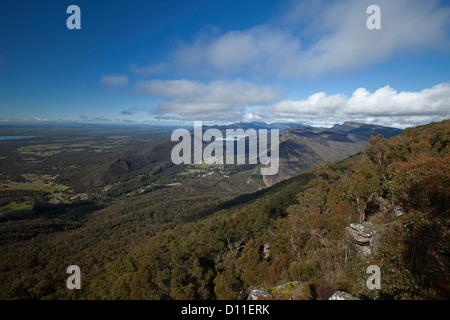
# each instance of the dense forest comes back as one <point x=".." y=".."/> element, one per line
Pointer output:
<point x="198" y="242"/>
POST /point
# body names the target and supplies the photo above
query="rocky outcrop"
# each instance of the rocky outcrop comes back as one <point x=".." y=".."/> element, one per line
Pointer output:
<point x="363" y="237"/>
<point x="291" y="291"/>
<point x="341" y="295"/>
<point x="286" y="291"/>
<point x="258" y="294"/>
<point x="380" y="205"/>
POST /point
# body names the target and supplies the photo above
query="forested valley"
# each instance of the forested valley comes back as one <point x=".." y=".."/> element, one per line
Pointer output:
<point x="218" y="239"/>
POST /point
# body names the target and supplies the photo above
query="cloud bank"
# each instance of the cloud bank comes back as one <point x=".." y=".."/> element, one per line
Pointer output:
<point x="335" y="39"/>
<point x="231" y="101"/>
<point x="216" y="100"/>
<point x="385" y="106"/>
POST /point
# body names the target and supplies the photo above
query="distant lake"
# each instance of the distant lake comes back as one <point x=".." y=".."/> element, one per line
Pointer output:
<point x="16" y="137"/>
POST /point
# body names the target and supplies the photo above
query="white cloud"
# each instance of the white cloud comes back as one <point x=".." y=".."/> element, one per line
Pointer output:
<point x="115" y="80"/>
<point x="261" y="50"/>
<point x="216" y="100"/>
<point x="229" y="101"/>
<point x="384" y="106"/>
<point x="335" y="39"/>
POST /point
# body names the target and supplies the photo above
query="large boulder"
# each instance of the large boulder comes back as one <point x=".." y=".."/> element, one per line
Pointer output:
<point x="287" y="287"/>
<point x="258" y="294"/>
<point x="285" y="291"/>
<point x="341" y="295"/>
<point x="363" y="237"/>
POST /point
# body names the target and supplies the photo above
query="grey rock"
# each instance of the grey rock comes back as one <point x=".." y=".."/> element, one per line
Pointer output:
<point x="258" y="294"/>
<point x="398" y="211"/>
<point x="341" y="295"/>
<point x="283" y="287"/>
<point x="364" y="237"/>
<point x="266" y="251"/>
<point x="359" y="233"/>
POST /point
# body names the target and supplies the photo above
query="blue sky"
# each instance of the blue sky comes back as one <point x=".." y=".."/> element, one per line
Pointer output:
<point x="312" y="62"/>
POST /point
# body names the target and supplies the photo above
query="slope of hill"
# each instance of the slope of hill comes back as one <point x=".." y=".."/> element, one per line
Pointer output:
<point x="298" y="231"/>
<point x="210" y="241"/>
<point x="301" y="148"/>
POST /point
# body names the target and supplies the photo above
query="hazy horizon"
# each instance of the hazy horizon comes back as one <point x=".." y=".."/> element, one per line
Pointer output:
<point x="190" y="124"/>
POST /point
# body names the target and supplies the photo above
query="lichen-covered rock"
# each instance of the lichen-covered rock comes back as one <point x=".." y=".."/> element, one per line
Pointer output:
<point x="288" y="287"/>
<point x="258" y="294"/>
<point x="341" y="295"/>
<point x="281" y="292"/>
<point x="364" y="237"/>
<point x="359" y="233"/>
<point x="284" y="291"/>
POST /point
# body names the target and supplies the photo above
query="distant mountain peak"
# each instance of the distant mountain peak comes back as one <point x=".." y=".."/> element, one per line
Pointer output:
<point x="352" y="124"/>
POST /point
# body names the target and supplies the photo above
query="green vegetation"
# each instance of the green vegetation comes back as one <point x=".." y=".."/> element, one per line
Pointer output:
<point x="16" y="209"/>
<point x="211" y="238"/>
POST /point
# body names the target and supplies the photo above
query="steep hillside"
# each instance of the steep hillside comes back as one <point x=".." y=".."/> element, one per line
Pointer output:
<point x="301" y="148"/>
<point x="387" y="206"/>
<point x="300" y="230"/>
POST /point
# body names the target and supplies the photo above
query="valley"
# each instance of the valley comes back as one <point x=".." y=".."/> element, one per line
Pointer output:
<point x="110" y="200"/>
